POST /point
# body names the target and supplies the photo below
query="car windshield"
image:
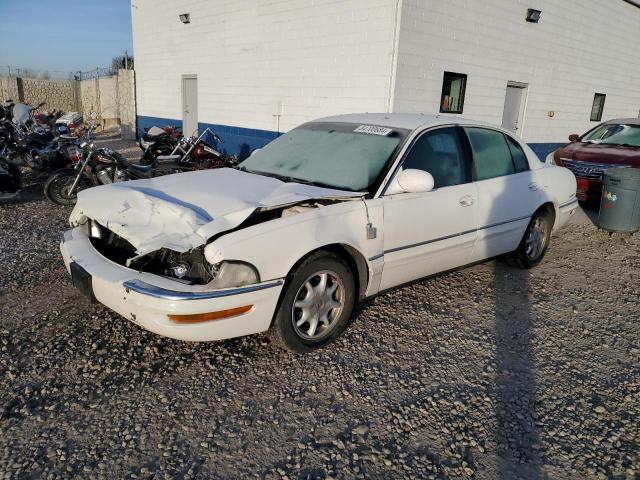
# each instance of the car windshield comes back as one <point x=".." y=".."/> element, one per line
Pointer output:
<point x="615" y="134"/>
<point x="342" y="156"/>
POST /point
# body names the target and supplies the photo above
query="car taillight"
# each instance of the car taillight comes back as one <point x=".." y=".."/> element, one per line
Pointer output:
<point x="75" y="158"/>
<point x="72" y="127"/>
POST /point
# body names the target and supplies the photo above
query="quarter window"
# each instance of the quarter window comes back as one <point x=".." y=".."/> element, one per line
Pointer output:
<point x="453" y="88"/>
<point x="517" y="154"/>
<point x="491" y="153"/>
<point x="597" y="107"/>
<point x="441" y="154"/>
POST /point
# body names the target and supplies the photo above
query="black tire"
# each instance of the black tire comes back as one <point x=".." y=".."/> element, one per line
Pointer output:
<point x="284" y="333"/>
<point x="525" y="255"/>
<point x="15" y="172"/>
<point x="56" y="188"/>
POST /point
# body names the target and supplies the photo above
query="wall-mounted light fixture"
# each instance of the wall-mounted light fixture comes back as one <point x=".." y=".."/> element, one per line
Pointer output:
<point x="185" y="18"/>
<point x="533" y="16"/>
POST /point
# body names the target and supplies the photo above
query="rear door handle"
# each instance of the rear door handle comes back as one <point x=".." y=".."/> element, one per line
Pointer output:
<point x="466" y="201"/>
<point x="533" y="186"/>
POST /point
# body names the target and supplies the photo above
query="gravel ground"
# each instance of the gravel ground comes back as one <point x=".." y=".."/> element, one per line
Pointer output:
<point x="490" y="372"/>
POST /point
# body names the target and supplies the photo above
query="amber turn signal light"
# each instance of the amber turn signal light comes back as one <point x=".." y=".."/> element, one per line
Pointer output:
<point x="205" y="317"/>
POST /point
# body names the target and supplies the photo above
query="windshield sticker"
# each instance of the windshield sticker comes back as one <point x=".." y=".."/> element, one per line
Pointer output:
<point x="373" y="130"/>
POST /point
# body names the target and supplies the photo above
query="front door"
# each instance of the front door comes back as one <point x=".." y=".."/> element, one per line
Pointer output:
<point x="189" y="104"/>
<point x="514" y="103"/>
<point x="429" y="232"/>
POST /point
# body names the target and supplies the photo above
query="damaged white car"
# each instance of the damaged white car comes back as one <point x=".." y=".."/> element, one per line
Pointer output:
<point x="333" y="212"/>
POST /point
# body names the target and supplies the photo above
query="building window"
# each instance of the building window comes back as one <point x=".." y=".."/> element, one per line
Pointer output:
<point x="453" y="87"/>
<point x="597" y="107"/>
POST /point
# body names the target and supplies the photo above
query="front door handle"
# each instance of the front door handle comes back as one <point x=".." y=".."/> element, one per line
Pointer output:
<point x="466" y="201"/>
<point x="533" y="186"/>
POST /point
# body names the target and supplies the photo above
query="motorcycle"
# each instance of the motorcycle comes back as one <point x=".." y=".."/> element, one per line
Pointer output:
<point x="47" y="119"/>
<point x="202" y="153"/>
<point x="102" y="166"/>
<point x="24" y="142"/>
<point x="158" y="141"/>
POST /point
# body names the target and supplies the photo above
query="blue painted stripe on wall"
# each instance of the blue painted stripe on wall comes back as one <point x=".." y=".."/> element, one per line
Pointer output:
<point x="241" y="141"/>
<point x="544" y="149"/>
<point x="143" y="122"/>
<point x="238" y="141"/>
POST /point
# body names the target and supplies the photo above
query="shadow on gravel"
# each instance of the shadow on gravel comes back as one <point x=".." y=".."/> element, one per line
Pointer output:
<point x="516" y="435"/>
<point x="591" y="211"/>
<point x="30" y="193"/>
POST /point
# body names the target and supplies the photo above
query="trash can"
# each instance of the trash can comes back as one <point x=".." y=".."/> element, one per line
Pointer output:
<point x="620" y="202"/>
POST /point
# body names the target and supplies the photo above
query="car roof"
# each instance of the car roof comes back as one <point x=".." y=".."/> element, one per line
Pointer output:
<point x="628" y="121"/>
<point x="408" y="121"/>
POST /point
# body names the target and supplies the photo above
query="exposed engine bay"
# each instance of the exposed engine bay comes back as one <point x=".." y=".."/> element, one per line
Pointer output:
<point x="189" y="267"/>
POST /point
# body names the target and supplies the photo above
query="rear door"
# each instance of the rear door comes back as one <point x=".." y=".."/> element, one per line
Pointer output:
<point x="190" y="105"/>
<point x="429" y="232"/>
<point x="508" y="191"/>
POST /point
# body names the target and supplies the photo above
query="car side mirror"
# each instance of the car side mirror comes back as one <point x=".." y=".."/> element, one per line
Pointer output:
<point x="412" y="180"/>
<point x="574" y="137"/>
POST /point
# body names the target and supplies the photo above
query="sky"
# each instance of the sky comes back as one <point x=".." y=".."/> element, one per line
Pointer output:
<point x="63" y="35"/>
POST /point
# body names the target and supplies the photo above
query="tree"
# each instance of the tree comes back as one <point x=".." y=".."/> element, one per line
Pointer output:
<point x="121" y="62"/>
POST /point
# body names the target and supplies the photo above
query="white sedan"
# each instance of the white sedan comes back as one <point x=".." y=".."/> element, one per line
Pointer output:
<point x="330" y="213"/>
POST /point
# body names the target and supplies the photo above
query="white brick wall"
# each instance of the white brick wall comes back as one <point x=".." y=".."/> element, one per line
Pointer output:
<point x="322" y="57"/>
<point x="317" y="57"/>
<point x="580" y="47"/>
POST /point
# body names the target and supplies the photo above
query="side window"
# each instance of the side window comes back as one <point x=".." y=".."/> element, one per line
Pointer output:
<point x="441" y="154"/>
<point x="597" y="107"/>
<point x="453" y="88"/>
<point x="518" y="155"/>
<point x="491" y="153"/>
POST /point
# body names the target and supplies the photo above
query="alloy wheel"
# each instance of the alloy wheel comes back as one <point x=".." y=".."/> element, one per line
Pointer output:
<point x="536" y="239"/>
<point x="318" y="305"/>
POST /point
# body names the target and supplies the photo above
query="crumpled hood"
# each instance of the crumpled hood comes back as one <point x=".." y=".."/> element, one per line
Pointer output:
<point x="183" y="211"/>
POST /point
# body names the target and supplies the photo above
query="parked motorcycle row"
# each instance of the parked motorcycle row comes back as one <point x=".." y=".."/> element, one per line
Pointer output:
<point x="65" y="159"/>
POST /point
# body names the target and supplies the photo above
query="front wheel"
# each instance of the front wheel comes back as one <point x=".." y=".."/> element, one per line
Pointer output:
<point x="57" y="188"/>
<point x="535" y="241"/>
<point x="316" y="304"/>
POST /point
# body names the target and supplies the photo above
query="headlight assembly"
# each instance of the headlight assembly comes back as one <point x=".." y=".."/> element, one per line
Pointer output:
<point x="229" y="274"/>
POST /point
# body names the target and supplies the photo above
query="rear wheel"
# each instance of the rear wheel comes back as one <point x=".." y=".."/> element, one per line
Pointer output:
<point x="535" y="241"/>
<point x="57" y="188"/>
<point x="316" y="305"/>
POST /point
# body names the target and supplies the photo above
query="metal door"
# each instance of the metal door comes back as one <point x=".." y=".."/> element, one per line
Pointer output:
<point x="514" y="105"/>
<point x="189" y="104"/>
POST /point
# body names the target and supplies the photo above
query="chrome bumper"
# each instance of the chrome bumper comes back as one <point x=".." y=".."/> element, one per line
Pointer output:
<point x="144" y="288"/>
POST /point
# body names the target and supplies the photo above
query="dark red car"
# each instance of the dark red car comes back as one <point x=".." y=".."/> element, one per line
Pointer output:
<point x="615" y="143"/>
